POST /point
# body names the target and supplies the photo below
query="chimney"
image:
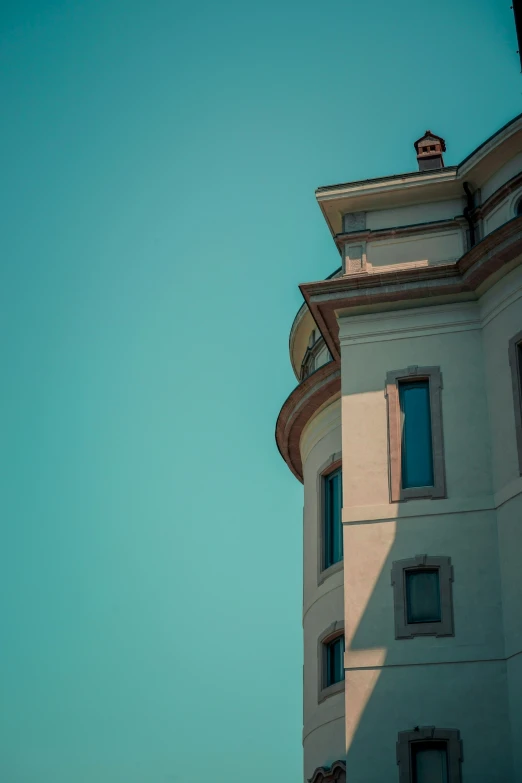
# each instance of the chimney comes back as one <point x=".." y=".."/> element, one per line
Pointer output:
<point x="429" y="149"/>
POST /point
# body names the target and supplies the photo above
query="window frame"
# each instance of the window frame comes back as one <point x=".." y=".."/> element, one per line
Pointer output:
<point x="425" y="735"/>
<point x="330" y="466"/>
<point x="515" y="363"/>
<point x="443" y="627"/>
<point x="311" y="354"/>
<point x="393" y="379"/>
<point x="333" y="632"/>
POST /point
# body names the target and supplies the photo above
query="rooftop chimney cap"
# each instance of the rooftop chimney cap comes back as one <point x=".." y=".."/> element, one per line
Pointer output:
<point x="429" y="149"/>
<point x="426" y="139"/>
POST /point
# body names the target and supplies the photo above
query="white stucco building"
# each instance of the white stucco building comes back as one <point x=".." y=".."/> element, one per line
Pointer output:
<point x="405" y="428"/>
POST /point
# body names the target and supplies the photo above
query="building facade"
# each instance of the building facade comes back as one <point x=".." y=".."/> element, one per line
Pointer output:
<point x="405" y="429"/>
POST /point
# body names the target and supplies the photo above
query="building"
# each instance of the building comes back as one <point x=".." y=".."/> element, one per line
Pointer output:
<point x="406" y="431"/>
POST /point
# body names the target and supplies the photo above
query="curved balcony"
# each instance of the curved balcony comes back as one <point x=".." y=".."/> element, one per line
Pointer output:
<point x="318" y="388"/>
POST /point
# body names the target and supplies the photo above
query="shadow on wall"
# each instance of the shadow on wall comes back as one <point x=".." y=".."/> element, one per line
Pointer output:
<point x="448" y="682"/>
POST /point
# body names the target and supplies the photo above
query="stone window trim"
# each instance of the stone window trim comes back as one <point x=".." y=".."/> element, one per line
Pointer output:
<point x="332" y="463"/>
<point x="434" y="376"/>
<point x="334" y="774"/>
<point x="406" y="630"/>
<point x="427" y="734"/>
<point x="333" y="631"/>
<point x="514" y="362"/>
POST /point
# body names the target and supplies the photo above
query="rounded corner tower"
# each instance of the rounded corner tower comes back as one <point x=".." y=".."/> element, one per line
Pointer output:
<point x="405" y="429"/>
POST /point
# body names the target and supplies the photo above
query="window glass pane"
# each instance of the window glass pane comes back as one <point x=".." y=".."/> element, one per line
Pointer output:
<point x="417" y="456"/>
<point x="423" y="596"/>
<point x="430" y="763"/>
<point x="334" y="661"/>
<point x="333" y="531"/>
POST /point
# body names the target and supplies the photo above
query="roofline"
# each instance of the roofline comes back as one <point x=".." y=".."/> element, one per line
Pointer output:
<point x="389" y="178"/>
<point x="413" y="174"/>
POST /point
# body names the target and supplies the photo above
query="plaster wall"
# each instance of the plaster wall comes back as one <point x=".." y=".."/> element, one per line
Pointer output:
<point x="447" y="336"/>
<point x="454" y="682"/>
<point x="471" y="697"/>
<point x="419" y="250"/>
<point x="414" y="213"/>
<point x="501" y="316"/>
<point x="323" y="604"/>
<point x="501" y="309"/>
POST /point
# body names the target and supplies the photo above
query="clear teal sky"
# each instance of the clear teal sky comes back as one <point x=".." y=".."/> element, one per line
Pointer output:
<point x="158" y="166"/>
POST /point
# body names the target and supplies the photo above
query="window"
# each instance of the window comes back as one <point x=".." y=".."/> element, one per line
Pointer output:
<point x="331" y="661"/>
<point x="416" y="446"/>
<point x="422" y="597"/>
<point x="308" y="365"/>
<point x="515" y="360"/>
<point x="429" y="755"/>
<point x="334" y="661"/>
<point x="429" y="762"/>
<point x="415" y="438"/>
<point x="316" y="355"/>
<point x="333" y="530"/>
<point x="329" y="523"/>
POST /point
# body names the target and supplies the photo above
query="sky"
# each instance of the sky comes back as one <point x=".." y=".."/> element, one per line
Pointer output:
<point x="158" y="165"/>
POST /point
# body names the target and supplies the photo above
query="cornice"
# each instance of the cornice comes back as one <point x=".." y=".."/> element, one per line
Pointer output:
<point x="420" y="186"/>
<point x="411" y="179"/>
<point x="335" y="773"/>
<point x="414" y="179"/>
<point x="369" y="235"/>
<point x="305" y="400"/>
<point x="458" y="280"/>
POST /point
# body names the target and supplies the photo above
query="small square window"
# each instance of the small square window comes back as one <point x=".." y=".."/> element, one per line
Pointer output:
<point x="429" y="755"/>
<point x="422" y="596"/>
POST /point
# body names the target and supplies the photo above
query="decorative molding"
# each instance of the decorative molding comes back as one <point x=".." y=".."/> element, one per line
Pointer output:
<point x="459" y="280"/>
<point x="399" y="232"/>
<point x="325" y="422"/>
<point x="334" y="774"/>
<point x="321" y="387"/>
